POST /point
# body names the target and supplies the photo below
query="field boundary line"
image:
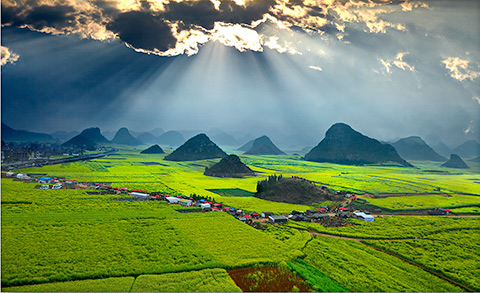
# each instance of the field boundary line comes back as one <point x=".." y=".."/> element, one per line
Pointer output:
<point x="422" y="267"/>
<point x="133" y="283"/>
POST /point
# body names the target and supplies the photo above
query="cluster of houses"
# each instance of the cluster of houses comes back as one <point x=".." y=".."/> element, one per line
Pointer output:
<point x="203" y="205"/>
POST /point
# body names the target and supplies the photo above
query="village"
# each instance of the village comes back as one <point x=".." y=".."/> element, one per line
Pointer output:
<point x="329" y="216"/>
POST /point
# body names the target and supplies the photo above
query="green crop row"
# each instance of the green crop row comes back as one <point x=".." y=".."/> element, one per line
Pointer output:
<point x="453" y="254"/>
<point x="209" y="280"/>
<point x="292" y="237"/>
<point x="424" y="202"/>
<point x="318" y="280"/>
<point x="358" y="267"/>
<point x="101" y="285"/>
<point x="396" y="227"/>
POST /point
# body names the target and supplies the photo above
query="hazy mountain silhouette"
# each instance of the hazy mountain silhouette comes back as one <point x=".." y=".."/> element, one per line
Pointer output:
<point x="11" y="135"/>
<point x="64" y="135"/>
<point x="109" y="134"/>
<point x="154" y="149"/>
<point x="477" y="159"/>
<point x="123" y="136"/>
<point x="147" y="138"/>
<point x="80" y="141"/>
<point x="468" y="149"/>
<point x="172" y="138"/>
<point x="442" y="149"/>
<point x="224" y="139"/>
<point x="94" y="135"/>
<point x="415" y="148"/>
<point x="88" y="139"/>
<point x="455" y="162"/>
<point x="343" y="145"/>
<point x="230" y="166"/>
<point x="199" y="147"/>
<point x="264" y="146"/>
<point x="306" y="149"/>
<point x="157" y="131"/>
<point x="246" y="146"/>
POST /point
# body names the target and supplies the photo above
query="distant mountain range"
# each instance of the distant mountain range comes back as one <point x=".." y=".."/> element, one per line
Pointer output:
<point x="147" y="138"/>
<point x="414" y="148"/>
<point x="468" y="149"/>
<point x="80" y="141"/>
<point x="343" y="145"/>
<point x="246" y="146"/>
<point x="11" y="135"/>
<point x="410" y="148"/>
<point x="64" y="135"/>
<point x="171" y="138"/>
<point x="123" y="136"/>
<point x="88" y="139"/>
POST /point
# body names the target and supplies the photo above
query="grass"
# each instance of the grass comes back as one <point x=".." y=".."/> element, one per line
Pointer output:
<point x="232" y="192"/>
<point x="360" y="268"/>
<point x="453" y="254"/>
<point x="424" y="202"/>
<point x="209" y="280"/>
<point x="318" y="280"/>
<point x="396" y="227"/>
<point x="102" y="285"/>
<point x="67" y="235"/>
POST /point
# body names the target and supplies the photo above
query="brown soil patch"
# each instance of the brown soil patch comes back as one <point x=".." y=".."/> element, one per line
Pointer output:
<point x="268" y="279"/>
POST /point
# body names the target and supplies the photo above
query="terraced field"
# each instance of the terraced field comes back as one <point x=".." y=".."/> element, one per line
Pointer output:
<point x="69" y="240"/>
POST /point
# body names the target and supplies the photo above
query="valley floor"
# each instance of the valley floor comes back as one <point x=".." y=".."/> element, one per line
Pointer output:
<point x="69" y="240"/>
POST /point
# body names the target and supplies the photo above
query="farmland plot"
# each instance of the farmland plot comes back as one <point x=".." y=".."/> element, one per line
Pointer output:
<point x="361" y="268"/>
<point x="102" y="285"/>
<point x="208" y="280"/>
<point x="453" y="254"/>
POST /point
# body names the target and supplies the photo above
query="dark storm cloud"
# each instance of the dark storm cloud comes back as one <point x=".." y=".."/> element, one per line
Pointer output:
<point x="39" y="17"/>
<point x="174" y="28"/>
<point x="143" y="30"/>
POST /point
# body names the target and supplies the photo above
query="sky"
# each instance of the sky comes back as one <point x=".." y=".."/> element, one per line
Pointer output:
<point x="288" y="69"/>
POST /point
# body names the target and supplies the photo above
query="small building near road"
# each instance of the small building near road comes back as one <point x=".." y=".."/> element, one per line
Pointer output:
<point x="362" y="216"/>
<point x="171" y="199"/>
<point x="185" y="202"/>
<point x="300" y="217"/>
<point x="206" y="206"/>
<point x="266" y="215"/>
<point x="278" y="219"/>
<point x="254" y="215"/>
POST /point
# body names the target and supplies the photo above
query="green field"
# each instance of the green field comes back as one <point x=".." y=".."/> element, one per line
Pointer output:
<point x="425" y="202"/>
<point x="68" y="240"/>
<point x="102" y="285"/>
<point x="209" y="280"/>
<point x="452" y="253"/>
<point x="67" y="234"/>
<point x="360" y="268"/>
<point x="396" y="227"/>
